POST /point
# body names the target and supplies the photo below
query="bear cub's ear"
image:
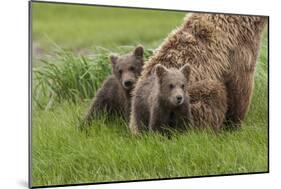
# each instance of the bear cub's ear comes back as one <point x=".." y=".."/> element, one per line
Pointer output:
<point x="186" y="71"/>
<point x="160" y="70"/>
<point x="138" y="52"/>
<point x="113" y="59"/>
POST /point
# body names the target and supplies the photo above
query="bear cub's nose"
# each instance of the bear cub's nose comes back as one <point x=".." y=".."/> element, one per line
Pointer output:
<point x="128" y="83"/>
<point x="179" y="99"/>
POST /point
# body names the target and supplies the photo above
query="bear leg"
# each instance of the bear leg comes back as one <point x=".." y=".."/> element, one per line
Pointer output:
<point x="208" y="103"/>
<point x="239" y="84"/>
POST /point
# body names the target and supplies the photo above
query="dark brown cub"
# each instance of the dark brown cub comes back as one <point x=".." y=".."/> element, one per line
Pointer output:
<point x="114" y="96"/>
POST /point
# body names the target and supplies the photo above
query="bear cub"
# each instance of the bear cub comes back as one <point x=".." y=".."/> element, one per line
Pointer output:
<point x="161" y="101"/>
<point x="114" y="97"/>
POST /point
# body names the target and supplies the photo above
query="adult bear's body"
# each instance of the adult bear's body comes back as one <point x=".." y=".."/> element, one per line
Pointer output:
<point x="218" y="47"/>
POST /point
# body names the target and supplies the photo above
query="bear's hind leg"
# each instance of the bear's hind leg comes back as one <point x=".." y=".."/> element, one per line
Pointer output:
<point x="239" y="84"/>
<point x="208" y="101"/>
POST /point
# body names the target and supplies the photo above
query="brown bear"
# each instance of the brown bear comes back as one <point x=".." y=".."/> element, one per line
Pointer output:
<point x="161" y="101"/>
<point x="114" y="96"/>
<point x="218" y="47"/>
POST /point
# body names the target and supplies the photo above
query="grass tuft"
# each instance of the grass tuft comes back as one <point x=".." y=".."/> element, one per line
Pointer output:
<point x="72" y="78"/>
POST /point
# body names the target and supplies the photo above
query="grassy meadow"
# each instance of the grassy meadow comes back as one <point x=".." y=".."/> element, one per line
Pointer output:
<point x="70" y="49"/>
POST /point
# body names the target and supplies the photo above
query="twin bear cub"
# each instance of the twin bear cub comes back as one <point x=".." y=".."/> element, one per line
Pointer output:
<point x="158" y="103"/>
<point x="161" y="101"/>
<point x="114" y="97"/>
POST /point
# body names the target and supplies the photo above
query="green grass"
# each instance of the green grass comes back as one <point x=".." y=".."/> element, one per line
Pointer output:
<point x="77" y="27"/>
<point x="72" y="78"/>
<point x="63" y="155"/>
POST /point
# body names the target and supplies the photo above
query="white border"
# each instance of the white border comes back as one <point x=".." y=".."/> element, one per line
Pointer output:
<point x="14" y="92"/>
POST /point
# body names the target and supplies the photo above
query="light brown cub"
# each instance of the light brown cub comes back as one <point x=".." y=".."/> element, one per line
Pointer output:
<point x="161" y="101"/>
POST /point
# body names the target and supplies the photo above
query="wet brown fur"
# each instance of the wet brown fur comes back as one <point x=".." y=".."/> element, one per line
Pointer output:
<point x="220" y="48"/>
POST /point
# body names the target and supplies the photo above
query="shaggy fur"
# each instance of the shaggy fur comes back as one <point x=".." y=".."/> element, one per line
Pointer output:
<point x="221" y="48"/>
<point x="161" y="101"/>
<point x="114" y="96"/>
<point x="208" y="100"/>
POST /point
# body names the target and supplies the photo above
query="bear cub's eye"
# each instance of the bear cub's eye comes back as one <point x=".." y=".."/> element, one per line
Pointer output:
<point x="131" y="68"/>
<point x="171" y="86"/>
<point x="120" y="71"/>
<point x="182" y="86"/>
